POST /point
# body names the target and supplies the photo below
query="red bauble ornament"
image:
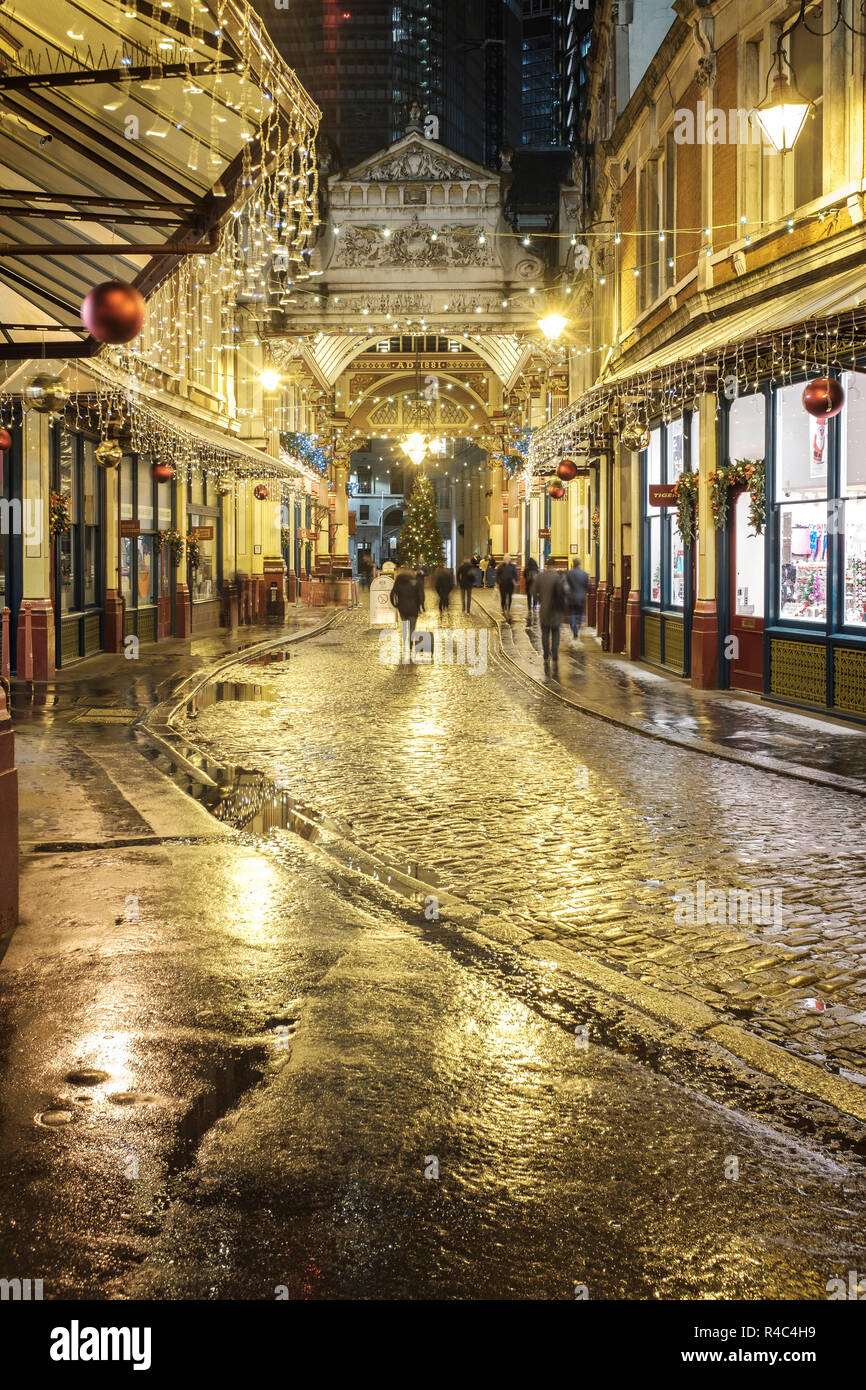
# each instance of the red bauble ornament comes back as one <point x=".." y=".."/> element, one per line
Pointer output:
<point x="113" y="312"/>
<point x="556" y="491"/>
<point x="5" y="440"/>
<point x="261" y="492"/>
<point x="162" y="472"/>
<point x="823" y="397"/>
<point x="567" y="470"/>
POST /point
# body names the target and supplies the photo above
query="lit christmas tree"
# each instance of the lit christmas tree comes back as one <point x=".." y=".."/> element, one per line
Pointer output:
<point x="420" y="540"/>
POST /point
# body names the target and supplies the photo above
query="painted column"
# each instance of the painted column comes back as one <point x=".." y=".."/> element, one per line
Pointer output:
<point x="340" y="557"/>
<point x="559" y="526"/>
<point x="632" y="614"/>
<point x="498" y="538"/>
<point x="618" y="599"/>
<point x="36" y="619"/>
<point x="705" y="623"/>
<point x="113" y="626"/>
<point x="183" y="598"/>
<point x="602" y="615"/>
<point x="8" y="821"/>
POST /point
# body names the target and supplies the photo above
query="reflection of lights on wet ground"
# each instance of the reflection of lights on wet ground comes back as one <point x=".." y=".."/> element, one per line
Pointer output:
<point x="107" y="1052"/>
<point x="256" y="890"/>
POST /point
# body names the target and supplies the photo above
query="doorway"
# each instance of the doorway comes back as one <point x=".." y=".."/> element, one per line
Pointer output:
<point x="745" y="646"/>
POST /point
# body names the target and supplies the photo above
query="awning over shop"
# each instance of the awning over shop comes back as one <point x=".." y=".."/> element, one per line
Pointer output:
<point x="776" y="336"/>
<point x="845" y="290"/>
<point x="128" y="130"/>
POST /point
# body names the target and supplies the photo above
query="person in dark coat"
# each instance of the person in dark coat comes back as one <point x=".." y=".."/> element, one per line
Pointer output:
<point x="490" y="572"/>
<point x="506" y="578"/>
<point x="443" y="583"/>
<point x="530" y="577"/>
<point x="577" y="586"/>
<point x="553" y="606"/>
<point x="467" y="578"/>
<point x="405" y="598"/>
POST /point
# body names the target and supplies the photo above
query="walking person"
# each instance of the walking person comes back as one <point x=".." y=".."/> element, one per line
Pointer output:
<point x="577" y="586"/>
<point x="443" y="583"/>
<point x="530" y="579"/>
<point x="490" y="573"/>
<point x="468" y="576"/>
<point x="553" y="608"/>
<point x="506" y="578"/>
<point x="406" y="599"/>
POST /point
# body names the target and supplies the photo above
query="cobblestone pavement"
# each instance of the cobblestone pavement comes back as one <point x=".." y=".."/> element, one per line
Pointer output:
<point x="580" y="831"/>
<point x="740" y="725"/>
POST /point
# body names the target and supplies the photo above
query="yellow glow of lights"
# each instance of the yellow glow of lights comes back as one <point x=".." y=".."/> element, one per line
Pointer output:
<point x="270" y="379"/>
<point x="552" y="325"/>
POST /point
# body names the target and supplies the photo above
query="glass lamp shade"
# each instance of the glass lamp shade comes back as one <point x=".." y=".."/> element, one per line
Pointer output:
<point x="782" y="115"/>
<point x="415" y="447"/>
<point x="552" y="325"/>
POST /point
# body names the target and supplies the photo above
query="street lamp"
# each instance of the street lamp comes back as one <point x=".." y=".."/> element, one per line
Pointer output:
<point x="782" y="114"/>
<point x="552" y="325"/>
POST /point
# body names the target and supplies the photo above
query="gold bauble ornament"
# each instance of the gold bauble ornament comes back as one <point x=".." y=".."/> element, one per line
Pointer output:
<point x="109" y="453"/>
<point x="635" y="436"/>
<point x="45" y="393"/>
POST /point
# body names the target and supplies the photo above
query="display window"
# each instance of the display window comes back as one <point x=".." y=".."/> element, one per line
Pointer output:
<point x="144" y="571"/>
<point x="849" y="512"/>
<point x="204" y="519"/>
<point x="77" y="477"/>
<point x="802" y="524"/>
<point x="664" y="583"/>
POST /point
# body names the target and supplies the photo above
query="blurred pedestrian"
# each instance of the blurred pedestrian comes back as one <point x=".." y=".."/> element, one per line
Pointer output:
<point x="405" y="598"/>
<point x="553" y="607"/>
<point x="490" y="572"/>
<point x="506" y="578"/>
<point x="443" y="583"/>
<point x="577" y="586"/>
<point x="468" y="576"/>
<point x="530" y="579"/>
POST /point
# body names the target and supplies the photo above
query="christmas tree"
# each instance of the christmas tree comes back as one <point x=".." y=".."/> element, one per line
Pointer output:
<point x="420" y="541"/>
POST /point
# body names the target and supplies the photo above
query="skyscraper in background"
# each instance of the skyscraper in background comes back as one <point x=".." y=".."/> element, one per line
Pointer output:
<point x="365" y="61"/>
<point x="555" y="47"/>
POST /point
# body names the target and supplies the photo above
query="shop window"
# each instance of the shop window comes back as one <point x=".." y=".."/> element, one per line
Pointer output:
<point x="749" y="561"/>
<point x="848" y="514"/>
<point x="203" y="579"/>
<point x="746" y="427"/>
<point x="67" y="484"/>
<point x="664" y="550"/>
<point x="802" y="451"/>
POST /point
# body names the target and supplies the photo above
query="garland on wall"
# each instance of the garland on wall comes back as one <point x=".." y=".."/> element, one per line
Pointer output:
<point x="60" y="513"/>
<point x="687" y="506"/>
<point x="742" y="474"/>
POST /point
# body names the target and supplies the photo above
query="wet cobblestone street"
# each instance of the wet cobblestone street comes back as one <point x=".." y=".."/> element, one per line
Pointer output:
<point x="577" y="830"/>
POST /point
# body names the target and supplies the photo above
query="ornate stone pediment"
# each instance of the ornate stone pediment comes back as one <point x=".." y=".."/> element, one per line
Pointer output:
<point x="416" y="159"/>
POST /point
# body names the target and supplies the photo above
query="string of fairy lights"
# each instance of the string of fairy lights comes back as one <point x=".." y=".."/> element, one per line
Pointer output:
<point x="628" y="405"/>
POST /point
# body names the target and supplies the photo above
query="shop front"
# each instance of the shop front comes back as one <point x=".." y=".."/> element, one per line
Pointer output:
<point x="77" y="544"/>
<point x="794" y="598"/>
<point x="667" y="588"/>
<point x="204" y="552"/>
<point x="146" y="511"/>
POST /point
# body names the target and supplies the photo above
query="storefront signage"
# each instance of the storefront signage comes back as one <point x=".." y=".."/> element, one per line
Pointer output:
<point x="128" y="529"/>
<point x="544" y="534"/>
<point x="663" y="494"/>
<point x="201" y="533"/>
